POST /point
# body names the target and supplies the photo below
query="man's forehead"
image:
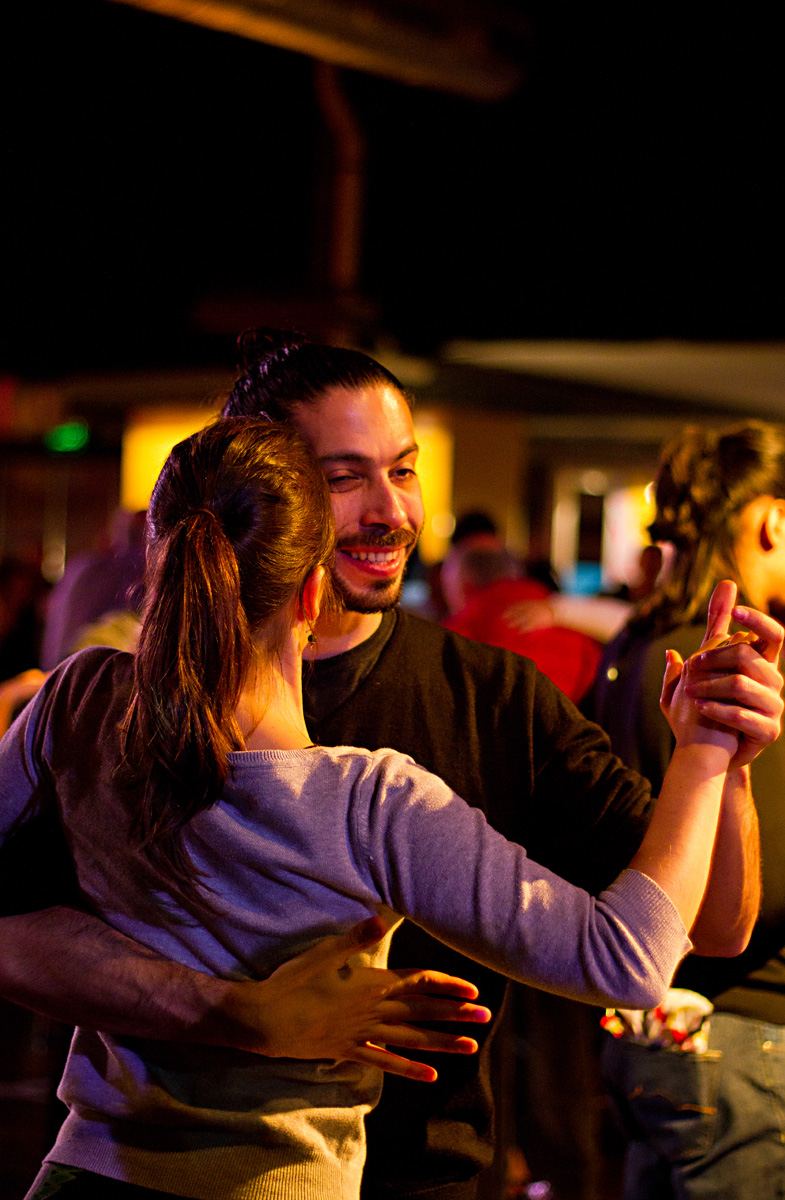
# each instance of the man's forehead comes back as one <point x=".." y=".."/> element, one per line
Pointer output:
<point x="358" y="422"/>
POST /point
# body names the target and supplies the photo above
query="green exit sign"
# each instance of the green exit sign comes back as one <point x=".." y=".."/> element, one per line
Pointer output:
<point x="68" y="437"/>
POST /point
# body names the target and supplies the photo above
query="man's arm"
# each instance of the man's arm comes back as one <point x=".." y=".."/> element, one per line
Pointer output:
<point x="732" y="897"/>
<point x="69" y="965"/>
<point x="736" y="684"/>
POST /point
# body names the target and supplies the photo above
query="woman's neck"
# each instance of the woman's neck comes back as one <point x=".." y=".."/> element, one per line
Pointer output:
<point x="270" y="712"/>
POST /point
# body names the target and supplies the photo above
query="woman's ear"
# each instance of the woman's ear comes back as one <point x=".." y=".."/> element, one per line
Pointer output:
<point x="312" y="595"/>
<point x="772" y="533"/>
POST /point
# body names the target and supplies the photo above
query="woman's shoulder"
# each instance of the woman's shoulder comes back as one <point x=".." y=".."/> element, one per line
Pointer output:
<point x="96" y="662"/>
<point x="373" y="773"/>
<point x="356" y="759"/>
<point x="91" y="680"/>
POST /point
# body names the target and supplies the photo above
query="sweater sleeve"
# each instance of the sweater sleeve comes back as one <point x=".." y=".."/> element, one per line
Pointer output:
<point x="36" y="866"/>
<point x="437" y="861"/>
<point x="19" y="779"/>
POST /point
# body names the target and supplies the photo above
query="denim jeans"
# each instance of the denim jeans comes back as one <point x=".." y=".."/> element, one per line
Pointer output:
<point x="703" y="1126"/>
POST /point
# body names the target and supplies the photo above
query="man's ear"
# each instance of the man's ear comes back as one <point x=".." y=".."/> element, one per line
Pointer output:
<point x="772" y="532"/>
<point x="312" y="595"/>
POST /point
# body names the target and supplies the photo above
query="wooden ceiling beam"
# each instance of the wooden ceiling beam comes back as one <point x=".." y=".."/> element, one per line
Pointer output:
<point x="436" y="47"/>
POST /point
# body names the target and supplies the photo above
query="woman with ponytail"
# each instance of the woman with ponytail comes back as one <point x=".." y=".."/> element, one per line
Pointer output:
<point x="203" y="823"/>
<point x="234" y="535"/>
<point x="720" y="1132"/>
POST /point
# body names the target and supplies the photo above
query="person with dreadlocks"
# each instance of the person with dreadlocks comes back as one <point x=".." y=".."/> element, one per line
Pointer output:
<point x="710" y="1125"/>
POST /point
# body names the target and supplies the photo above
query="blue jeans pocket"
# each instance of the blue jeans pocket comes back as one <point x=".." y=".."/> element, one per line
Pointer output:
<point x="663" y="1096"/>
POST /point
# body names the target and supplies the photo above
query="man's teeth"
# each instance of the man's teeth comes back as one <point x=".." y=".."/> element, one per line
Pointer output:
<point x="374" y="556"/>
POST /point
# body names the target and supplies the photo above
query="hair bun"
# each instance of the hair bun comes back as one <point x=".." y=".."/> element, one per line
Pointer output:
<point x="254" y="345"/>
<point x="203" y="511"/>
<point x="691" y="499"/>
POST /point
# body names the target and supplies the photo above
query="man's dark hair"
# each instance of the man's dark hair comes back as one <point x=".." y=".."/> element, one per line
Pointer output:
<point x="281" y="369"/>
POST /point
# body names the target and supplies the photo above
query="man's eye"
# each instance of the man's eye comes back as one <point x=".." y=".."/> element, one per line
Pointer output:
<point x="341" y="483"/>
<point x="404" y="474"/>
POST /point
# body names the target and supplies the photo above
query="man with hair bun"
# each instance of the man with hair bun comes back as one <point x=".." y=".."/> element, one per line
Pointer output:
<point x="709" y="1125"/>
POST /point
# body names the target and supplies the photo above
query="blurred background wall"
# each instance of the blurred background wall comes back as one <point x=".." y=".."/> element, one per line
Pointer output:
<point x="561" y="228"/>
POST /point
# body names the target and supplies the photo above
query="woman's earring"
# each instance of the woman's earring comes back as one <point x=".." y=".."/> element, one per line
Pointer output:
<point x="311" y="638"/>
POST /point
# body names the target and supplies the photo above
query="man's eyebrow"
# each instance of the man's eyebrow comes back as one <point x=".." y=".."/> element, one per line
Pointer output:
<point x="351" y="456"/>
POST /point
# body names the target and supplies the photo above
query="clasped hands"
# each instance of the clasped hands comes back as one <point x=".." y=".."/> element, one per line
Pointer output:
<point x="733" y="680"/>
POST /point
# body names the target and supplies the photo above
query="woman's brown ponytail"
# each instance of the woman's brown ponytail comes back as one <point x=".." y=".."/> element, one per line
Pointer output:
<point x="239" y="518"/>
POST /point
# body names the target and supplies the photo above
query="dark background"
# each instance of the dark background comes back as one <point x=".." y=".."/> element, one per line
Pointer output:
<point x="632" y="188"/>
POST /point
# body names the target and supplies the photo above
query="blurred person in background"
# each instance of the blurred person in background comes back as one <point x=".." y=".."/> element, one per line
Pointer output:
<point x="97" y="602"/>
<point x="708" y="1125"/>
<point x="97" y="585"/>
<point x="475" y="527"/>
<point x="22" y="593"/>
<point x="649" y="566"/>
<point x="491" y="601"/>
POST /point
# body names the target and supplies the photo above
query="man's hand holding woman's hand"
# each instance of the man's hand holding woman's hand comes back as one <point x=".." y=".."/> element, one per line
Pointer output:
<point x="734" y="679"/>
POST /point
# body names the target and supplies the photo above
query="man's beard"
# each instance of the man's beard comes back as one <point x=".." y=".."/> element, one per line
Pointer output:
<point x="383" y="594"/>
<point x="388" y="594"/>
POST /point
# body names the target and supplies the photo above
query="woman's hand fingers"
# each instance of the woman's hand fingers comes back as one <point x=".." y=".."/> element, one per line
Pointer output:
<point x="733" y="681"/>
<point x="760" y="630"/>
<point x="736" y="675"/>
<point x="721" y="605"/>
<point x="670" y="680"/>
<point x="766" y="633"/>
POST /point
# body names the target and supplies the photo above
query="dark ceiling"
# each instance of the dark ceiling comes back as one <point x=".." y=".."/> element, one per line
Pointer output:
<point x="631" y="188"/>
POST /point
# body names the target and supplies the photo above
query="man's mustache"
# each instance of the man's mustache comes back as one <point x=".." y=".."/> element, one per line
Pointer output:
<point x="393" y="540"/>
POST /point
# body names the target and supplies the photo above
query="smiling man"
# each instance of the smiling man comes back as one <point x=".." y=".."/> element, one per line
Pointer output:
<point x="365" y="442"/>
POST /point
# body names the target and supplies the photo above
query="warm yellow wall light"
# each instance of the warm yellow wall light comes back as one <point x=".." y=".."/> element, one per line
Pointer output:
<point x="434" y="467"/>
<point x="628" y="510"/>
<point x="148" y="438"/>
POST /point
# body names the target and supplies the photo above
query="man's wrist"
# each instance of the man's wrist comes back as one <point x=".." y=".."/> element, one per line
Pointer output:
<point x="740" y="777"/>
<point x="226" y="1012"/>
<point x="704" y="758"/>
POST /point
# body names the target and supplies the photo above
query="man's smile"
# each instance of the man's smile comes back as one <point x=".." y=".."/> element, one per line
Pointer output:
<point x="377" y="562"/>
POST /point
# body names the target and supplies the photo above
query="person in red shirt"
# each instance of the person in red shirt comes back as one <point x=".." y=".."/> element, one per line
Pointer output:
<point x="493" y="603"/>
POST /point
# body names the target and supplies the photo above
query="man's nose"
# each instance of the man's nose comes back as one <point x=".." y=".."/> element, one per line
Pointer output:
<point x="385" y="506"/>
